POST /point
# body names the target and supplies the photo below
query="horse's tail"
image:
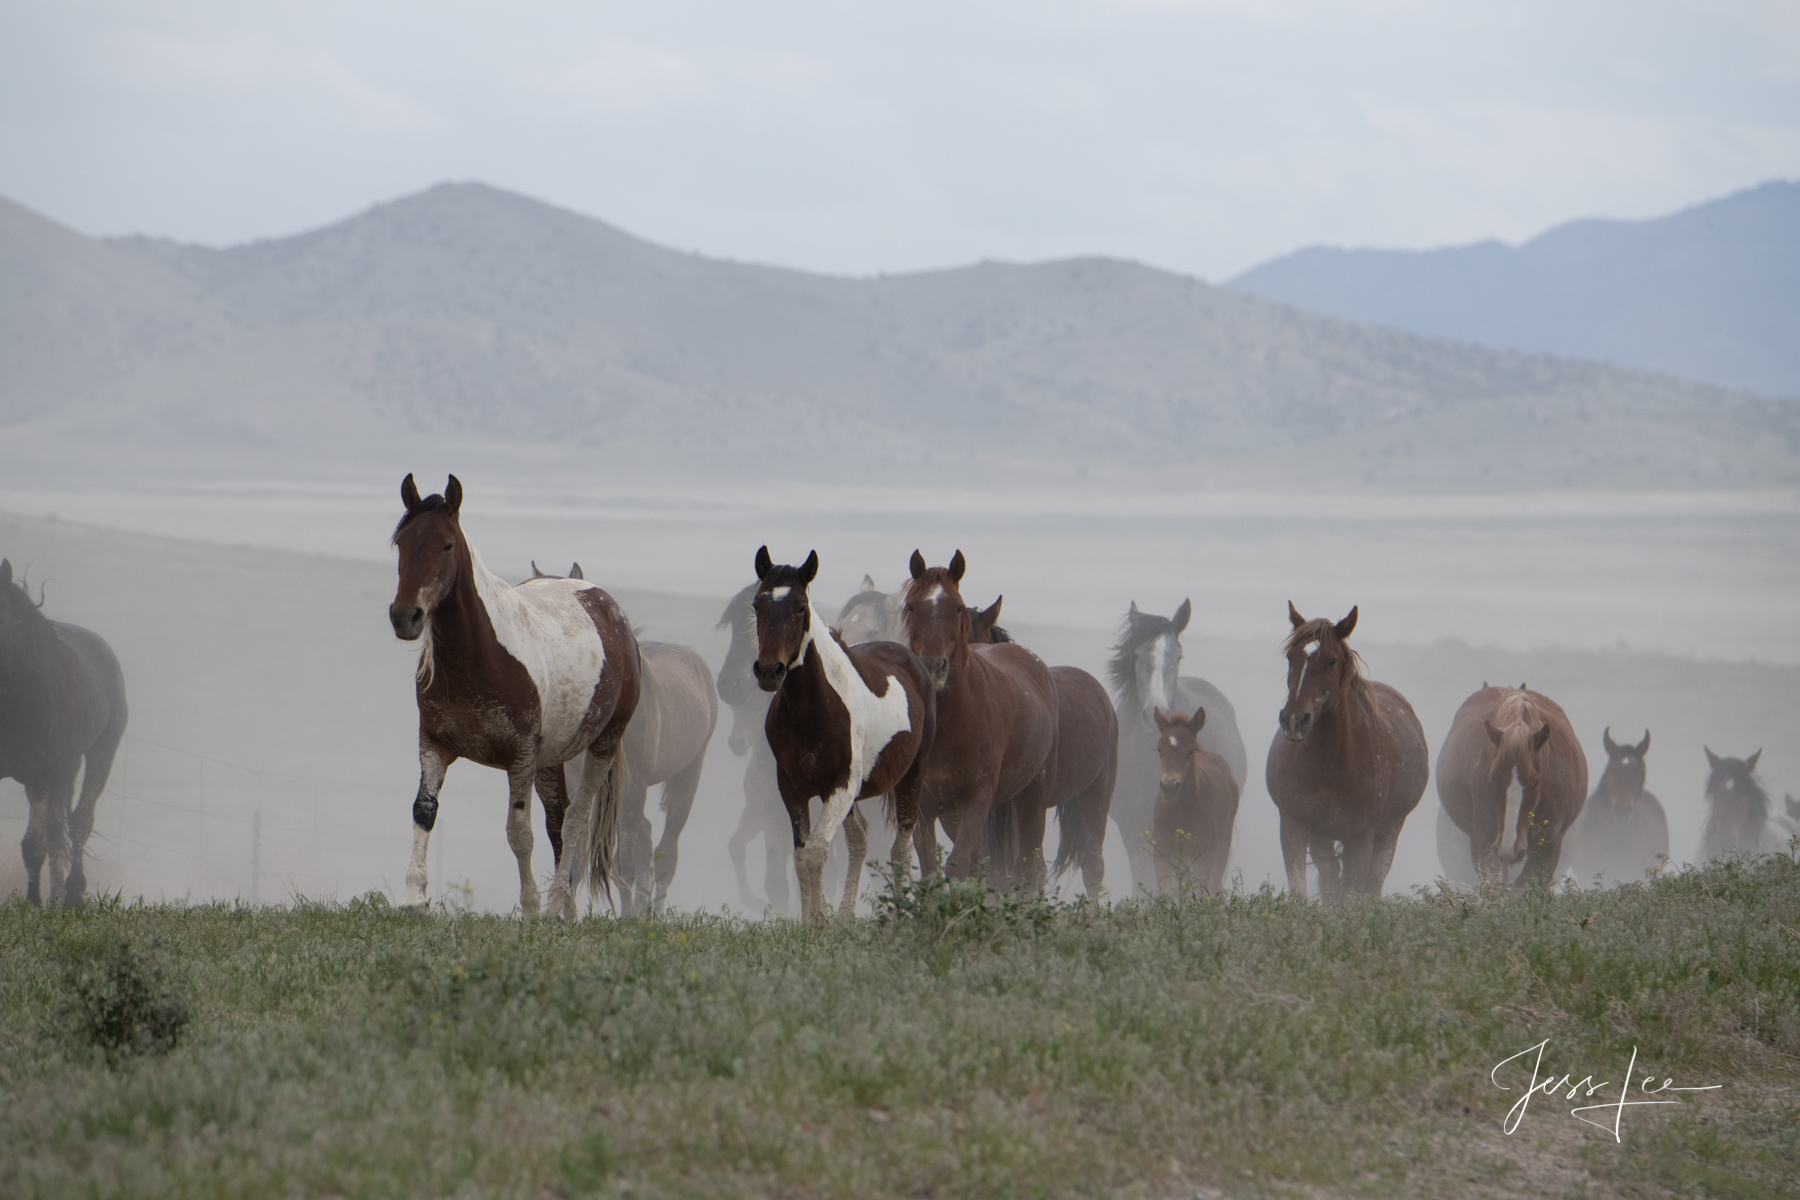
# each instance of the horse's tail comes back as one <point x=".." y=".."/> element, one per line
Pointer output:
<point x="603" y="825"/>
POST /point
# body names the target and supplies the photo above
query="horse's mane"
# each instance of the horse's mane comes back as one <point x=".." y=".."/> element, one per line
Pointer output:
<point x="1137" y="629"/>
<point x="999" y="635"/>
<point x="430" y="503"/>
<point x="24" y="603"/>
<point x="1315" y="630"/>
<point x="783" y="575"/>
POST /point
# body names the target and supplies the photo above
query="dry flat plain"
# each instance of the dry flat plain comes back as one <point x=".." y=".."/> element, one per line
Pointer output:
<point x="323" y="1044"/>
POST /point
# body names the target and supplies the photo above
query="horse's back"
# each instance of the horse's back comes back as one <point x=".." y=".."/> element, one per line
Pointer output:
<point x="1220" y="733"/>
<point x="102" y="705"/>
<point x="677" y="710"/>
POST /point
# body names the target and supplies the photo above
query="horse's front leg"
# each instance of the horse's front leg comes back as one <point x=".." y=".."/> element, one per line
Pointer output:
<point x="1294" y="839"/>
<point x="809" y="859"/>
<point x="433" y="762"/>
<point x="34" y="845"/>
<point x="856" y="838"/>
<point x="518" y="832"/>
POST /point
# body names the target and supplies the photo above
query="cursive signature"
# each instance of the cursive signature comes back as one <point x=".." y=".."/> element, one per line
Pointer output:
<point x="1585" y="1088"/>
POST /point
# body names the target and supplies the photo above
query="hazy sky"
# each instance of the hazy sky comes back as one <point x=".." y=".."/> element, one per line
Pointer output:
<point x="1204" y="136"/>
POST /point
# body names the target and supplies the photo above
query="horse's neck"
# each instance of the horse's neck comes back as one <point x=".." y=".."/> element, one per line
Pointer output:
<point x="812" y="676"/>
<point x="462" y="623"/>
<point x="1351" y="722"/>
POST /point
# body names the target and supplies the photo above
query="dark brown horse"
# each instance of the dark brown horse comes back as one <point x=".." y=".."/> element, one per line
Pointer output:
<point x="1737" y="810"/>
<point x="1196" y="808"/>
<point x="846" y="723"/>
<point x="1622" y="832"/>
<point x="1347" y="766"/>
<point x="523" y="679"/>
<point x="997" y="723"/>
<point x="1512" y="777"/>
<point x="1087" y="766"/>
<point x="62" y="704"/>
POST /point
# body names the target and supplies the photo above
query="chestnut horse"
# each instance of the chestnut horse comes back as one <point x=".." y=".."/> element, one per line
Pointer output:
<point x="1347" y="766"/>
<point x="62" y="713"/>
<point x="997" y="724"/>
<point x="1622" y="832"/>
<point x="1512" y="777"/>
<point x="846" y="723"/>
<point x="1145" y="671"/>
<point x="1737" y="810"/>
<point x="1196" y="808"/>
<point x="1087" y="766"/>
<point x="523" y="679"/>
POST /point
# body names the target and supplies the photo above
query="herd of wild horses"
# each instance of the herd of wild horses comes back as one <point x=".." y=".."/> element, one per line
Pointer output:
<point x="914" y="696"/>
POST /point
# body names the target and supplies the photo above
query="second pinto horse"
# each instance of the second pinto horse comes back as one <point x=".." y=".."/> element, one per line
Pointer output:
<point x="846" y="723"/>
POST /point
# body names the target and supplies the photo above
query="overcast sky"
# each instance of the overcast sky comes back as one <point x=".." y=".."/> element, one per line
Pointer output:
<point x="1204" y="136"/>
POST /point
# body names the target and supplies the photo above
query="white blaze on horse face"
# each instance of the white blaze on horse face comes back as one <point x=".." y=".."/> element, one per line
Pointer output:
<point x="549" y="631"/>
<point x="1515" y="798"/>
<point x="779" y="593"/>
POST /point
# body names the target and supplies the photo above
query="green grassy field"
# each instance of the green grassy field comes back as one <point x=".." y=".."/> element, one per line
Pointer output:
<point x="1244" y="1046"/>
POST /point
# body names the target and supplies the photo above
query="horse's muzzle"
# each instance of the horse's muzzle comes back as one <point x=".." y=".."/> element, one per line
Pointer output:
<point x="1171" y="786"/>
<point x="739" y="743"/>
<point x="1295" y="725"/>
<point x="408" y="621"/>
<point x="939" y="670"/>
<point x="769" y="678"/>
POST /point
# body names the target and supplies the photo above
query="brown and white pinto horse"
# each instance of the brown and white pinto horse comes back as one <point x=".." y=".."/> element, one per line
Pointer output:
<point x="1196" y="808"/>
<point x="1622" y="832"/>
<point x="1512" y="777"/>
<point x="523" y="679"/>
<point x="1347" y="766"/>
<point x="1087" y="767"/>
<point x="846" y="723"/>
<point x="997" y="723"/>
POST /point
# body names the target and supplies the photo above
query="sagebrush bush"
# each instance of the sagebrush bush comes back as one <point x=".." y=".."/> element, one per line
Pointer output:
<point x="121" y="1000"/>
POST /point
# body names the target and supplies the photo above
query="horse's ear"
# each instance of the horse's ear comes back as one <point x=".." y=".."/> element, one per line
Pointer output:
<point x="992" y="612"/>
<point x="1541" y="736"/>
<point x="1343" y="627"/>
<point x="958" y="564"/>
<point x="409" y="492"/>
<point x="453" y="495"/>
<point x="1712" y="760"/>
<point x="1750" y="763"/>
<point x="5" y="571"/>
<point x="810" y="568"/>
<point x="1133" y="611"/>
<point x="1197" y="722"/>
<point x="763" y="564"/>
<point x="1643" y="747"/>
<point x="535" y="573"/>
<point x="575" y="571"/>
<point x="1493" y="734"/>
<point x="868" y="584"/>
<point x="917" y="563"/>
<point x="1162" y="719"/>
<point x="1612" y="747"/>
<point x="1182" y="614"/>
<point x="1294" y="617"/>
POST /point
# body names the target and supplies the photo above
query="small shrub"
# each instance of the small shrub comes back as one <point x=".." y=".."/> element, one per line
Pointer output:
<point x="122" y="1001"/>
<point x="939" y="909"/>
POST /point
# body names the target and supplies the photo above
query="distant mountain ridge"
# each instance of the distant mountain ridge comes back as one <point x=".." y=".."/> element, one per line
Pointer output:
<point x="471" y="316"/>
<point x="1711" y="293"/>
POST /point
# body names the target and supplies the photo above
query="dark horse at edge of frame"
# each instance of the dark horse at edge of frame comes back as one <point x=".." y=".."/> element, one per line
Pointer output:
<point x="62" y="703"/>
<point x="1347" y="766"/>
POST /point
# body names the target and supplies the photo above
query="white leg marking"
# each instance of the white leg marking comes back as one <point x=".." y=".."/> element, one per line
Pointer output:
<point x="518" y="836"/>
<point x="1511" y="840"/>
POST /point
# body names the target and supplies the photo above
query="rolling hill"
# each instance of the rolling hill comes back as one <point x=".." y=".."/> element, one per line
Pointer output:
<point x="1711" y="293"/>
<point x="546" y="341"/>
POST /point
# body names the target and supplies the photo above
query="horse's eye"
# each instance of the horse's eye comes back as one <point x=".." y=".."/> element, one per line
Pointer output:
<point x="1331" y="662"/>
<point x="449" y="545"/>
